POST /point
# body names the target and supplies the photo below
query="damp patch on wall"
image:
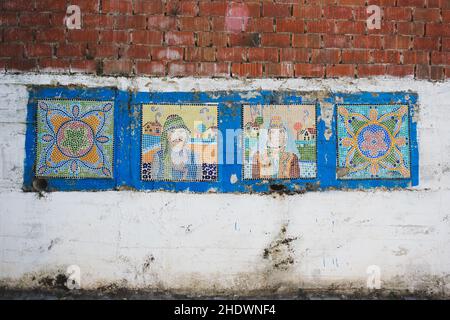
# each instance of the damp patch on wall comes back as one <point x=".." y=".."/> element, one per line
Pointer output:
<point x="179" y="142"/>
<point x="75" y="139"/>
<point x="373" y="141"/>
<point x="279" y="142"/>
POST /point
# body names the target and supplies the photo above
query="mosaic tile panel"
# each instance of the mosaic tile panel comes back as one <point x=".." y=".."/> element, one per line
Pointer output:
<point x="75" y="139"/>
<point x="279" y="142"/>
<point x="373" y="142"/>
<point x="179" y="143"/>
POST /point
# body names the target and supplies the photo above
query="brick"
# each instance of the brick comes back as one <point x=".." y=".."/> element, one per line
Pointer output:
<point x="351" y="2"/>
<point x="39" y="50"/>
<point x="275" y="40"/>
<point x="243" y="10"/>
<point x="386" y="56"/>
<point x="118" y="67"/>
<point x="260" y="25"/>
<point x="437" y="73"/>
<point x="35" y="20"/>
<point x="409" y="28"/>
<point x="400" y="70"/>
<point x="11" y="50"/>
<point x="103" y="50"/>
<point x="356" y="56"/>
<point x="200" y="54"/>
<point x="179" y="38"/>
<point x="290" y="25"/>
<point x="340" y="70"/>
<point x="162" y="23"/>
<point x="152" y="68"/>
<point x="18" y="35"/>
<point x="423" y="72"/>
<point x="337" y="41"/>
<point x="51" y="6"/>
<point x="271" y="9"/>
<point x="15" y="5"/>
<point x="325" y="56"/>
<point x="442" y="58"/>
<point x="213" y="69"/>
<point x="370" y="70"/>
<point x="307" y="12"/>
<point x="82" y="35"/>
<point x="397" y="14"/>
<point x="95" y="21"/>
<point x="117" y="6"/>
<point x="70" y="50"/>
<point x="397" y="42"/>
<point x="146" y="37"/>
<point x="180" y="69"/>
<point x="219" y="24"/>
<point x="83" y="66"/>
<point x="213" y="39"/>
<point x="279" y="70"/>
<point x="193" y="24"/>
<point x="181" y="8"/>
<point x="18" y="64"/>
<point x="337" y="13"/>
<point x="349" y="27"/>
<point x="130" y="22"/>
<point x="427" y="15"/>
<point x="245" y="39"/>
<point x="115" y="36"/>
<point x="87" y="6"/>
<point x="167" y="54"/>
<point x="307" y="70"/>
<point x="426" y="43"/>
<point x="263" y="54"/>
<point x="374" y="42"/>
<point x="446" y="44"/>
<point x="320" y="27"/>
<point x="306" y="41"/>
<point x="294" y="54"/>
<point x="446" y="16"/>
<point x="214" y="8"/>
<point x="415" y="57"/>
<point x="8" y="19"/>
<point x="411" y="3"/>
<point x="252" y="70"/>
<point x="148" y="7"/>
<point x="232" y="54"/>
<point x="54" y="65"/>
<point x="136" y="52"/>
<point x="437" y="29"/>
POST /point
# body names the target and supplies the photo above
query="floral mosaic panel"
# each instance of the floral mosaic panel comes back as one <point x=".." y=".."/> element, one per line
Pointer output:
<point x="373" y="142"/>
<point x="179" y="143"/>
<point x="279" y="142"/>
<point x="75" y="139"/>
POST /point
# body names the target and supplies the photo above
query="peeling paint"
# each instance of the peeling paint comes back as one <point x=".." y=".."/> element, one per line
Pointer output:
<point x="326" y="115"/>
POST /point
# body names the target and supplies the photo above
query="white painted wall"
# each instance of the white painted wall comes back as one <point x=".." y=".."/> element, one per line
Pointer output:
<point x="215" y="243"/>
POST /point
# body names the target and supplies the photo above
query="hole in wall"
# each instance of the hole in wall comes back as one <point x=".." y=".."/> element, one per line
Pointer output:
<point x="40" y="184"/>
<point x="277" y="187"/>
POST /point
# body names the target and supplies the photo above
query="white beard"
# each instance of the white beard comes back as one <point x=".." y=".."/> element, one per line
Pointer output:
<point x="179" y="157"/>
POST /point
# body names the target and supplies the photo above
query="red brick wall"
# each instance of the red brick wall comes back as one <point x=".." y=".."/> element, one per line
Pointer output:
<point x="280" y="38"/>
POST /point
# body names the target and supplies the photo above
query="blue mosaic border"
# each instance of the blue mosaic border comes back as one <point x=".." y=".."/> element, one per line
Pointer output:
<point x="120" y="156"/>
<point x="127" y="147"/>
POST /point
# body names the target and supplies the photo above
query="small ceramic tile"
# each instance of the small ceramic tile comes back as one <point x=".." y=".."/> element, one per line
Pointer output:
<point x="75" y="139"/>
<point x="179" y="143"/>
<point x="373" y="142"/>
<point x="279" y="142"/>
